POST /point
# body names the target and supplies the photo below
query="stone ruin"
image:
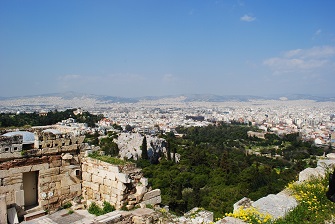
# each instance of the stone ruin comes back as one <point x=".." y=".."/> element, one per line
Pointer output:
<point x="49" y="170"/>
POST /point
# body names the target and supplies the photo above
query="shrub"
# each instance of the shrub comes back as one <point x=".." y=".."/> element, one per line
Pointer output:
<point x="96" y="210"/>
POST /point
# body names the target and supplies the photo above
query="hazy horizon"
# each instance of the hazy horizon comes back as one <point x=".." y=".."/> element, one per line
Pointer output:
<point x="157" y="48"/>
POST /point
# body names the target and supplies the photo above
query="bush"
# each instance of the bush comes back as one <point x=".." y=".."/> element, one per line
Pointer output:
<point x="96" y="210"/>
<point x="108" y="207"/>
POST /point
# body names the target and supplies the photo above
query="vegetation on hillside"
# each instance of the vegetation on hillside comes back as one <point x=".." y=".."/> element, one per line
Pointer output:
<point x="217" y="167"/>
<point x="34" y="119"/>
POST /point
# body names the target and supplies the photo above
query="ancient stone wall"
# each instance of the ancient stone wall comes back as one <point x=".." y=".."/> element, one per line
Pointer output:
<point x="59" y="180"/>
<point x="116" y="184"/>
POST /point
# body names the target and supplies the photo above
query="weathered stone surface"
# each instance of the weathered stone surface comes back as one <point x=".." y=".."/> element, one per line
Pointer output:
<point x="230" y="220"/>
<point x="122" y="177"/>
<point x="97" y="179"/>
<point x="151" y="194"/>
<point x="75" y="188"/>
<point x="153" y="201"/>
<point x="3" y="210"/>
<point x="243" y="203"/>
<point x="86" y="176"/>
<point x="282" y="203"/>
<point x="144" y="181"/>
<point x="308" y="173"/>
<point x="19" y="197"/>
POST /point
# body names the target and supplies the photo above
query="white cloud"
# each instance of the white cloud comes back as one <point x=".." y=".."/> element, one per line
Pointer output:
<point x="318" y="32"/>
<point x="302" y="60"/>
<point x="247" y="18"/>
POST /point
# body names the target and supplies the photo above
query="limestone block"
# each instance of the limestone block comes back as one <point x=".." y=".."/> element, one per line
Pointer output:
<point x="66" y="162"/>
<point x="114" y="169"/>
<point x="107" y="182"/>
<point x="104" y="189"/>
<point x="67" y="181"/>
<point x="151" y="194"/>
<point x="122" y="177"/>
<point x="67" y="156"/>
<point x="97" y="179"/>
<point x="75" y="188"/>
<point x="58" y="178"/>
<point x="86" y="176"/>
<point x="114" y="184"/>
<point x="103" y="173"/>
<point x="14" y="179"/>
<point x="153" y="201"/>
<point x="40" y="167"/>
<point x="49" y="172"/>
<point x="95" y="187"/>
<point x="140" y="190"/>
<point x="50" y="151"/>
<point x="3" y="210"/>
<point x="144" y="181"/>
<point x="4" y="173"/>
<point x="308" y="173"/>
<point x="55" y="163"/>
<point x="65" y="190"/>
<point x="10" y="188"/>
<point x="121" y="186"/>
<point x="105" y="197"/>
<point x="83" y="167"/>
<point x="19" y="197"/>
<point x="21" y="169"/>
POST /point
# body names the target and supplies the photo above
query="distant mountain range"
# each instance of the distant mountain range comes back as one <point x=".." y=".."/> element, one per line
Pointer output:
<point x="182" y="97"/>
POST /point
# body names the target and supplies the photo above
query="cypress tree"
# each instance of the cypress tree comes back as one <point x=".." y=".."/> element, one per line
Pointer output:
<point x="144" y="148"/>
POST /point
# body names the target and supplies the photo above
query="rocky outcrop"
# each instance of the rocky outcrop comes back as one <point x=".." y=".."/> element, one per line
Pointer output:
<point x="129" y="145"/>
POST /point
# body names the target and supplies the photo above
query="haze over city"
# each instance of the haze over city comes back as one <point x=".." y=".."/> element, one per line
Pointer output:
<point x="150" y="48"/>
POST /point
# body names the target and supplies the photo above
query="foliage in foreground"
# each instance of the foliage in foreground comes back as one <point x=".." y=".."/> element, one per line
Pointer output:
<point x="313" y="207"/>
<point x="96" y="210"/>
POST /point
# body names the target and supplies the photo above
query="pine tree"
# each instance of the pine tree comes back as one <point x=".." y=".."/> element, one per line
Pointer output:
<point x="144" y="148"/>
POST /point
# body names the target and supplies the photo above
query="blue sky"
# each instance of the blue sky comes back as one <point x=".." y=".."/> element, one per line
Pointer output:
<point x="154" y="47"/>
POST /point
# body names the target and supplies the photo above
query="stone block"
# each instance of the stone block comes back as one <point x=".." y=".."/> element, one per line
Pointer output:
<point x="22" y="169"/>
<point x="113" y="169"/>
<point x="122" y="177"/>
<point x="95" y="187"/>
<point x="55" y="163"/>
<point x="19" y="197"/>
<point x="151" y="194"/>
<point x="153" y="201"/>
<point x="140" y="190"/>
<point x="144" y="181"/>
<point x="83" y="167"/>
<point x="107" y="182"/>
<point x="40" y="167"/>
<point x="3" y="210"/>
<point x="120" y="186"/>
<point x="14" y="179"/>
<point x="49" y="172"/>
<point x="86" y="176"/>
<point x="104" y="189"/>
<point x="103" y="173"/>
<point x="12" y="216"/>
<point x="75" y="188"/>
<point x="97" y="179"/>
<point x="67" y="181"/>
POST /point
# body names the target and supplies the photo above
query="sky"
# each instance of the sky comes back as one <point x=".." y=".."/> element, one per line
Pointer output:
<point x="133" y="48"/>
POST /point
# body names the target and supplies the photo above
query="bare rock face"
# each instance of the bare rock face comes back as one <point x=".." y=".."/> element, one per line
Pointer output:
<point x="129" y="145"/>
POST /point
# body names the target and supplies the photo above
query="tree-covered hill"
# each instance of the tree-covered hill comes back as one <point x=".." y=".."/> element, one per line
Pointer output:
<point x="217" y="169"/>
<point x="34" y="119"/>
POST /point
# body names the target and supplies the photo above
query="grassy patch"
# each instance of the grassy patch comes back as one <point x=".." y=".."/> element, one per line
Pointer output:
<point x="108" y="159"/>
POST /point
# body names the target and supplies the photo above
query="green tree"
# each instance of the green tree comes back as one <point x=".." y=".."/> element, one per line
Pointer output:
<point x="144" y="148"/>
